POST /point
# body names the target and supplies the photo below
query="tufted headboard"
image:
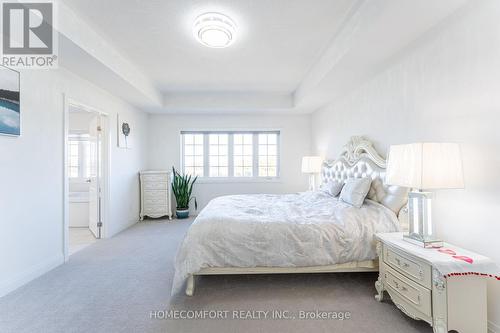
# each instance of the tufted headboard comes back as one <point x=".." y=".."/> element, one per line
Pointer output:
<point x="359" y="159"/>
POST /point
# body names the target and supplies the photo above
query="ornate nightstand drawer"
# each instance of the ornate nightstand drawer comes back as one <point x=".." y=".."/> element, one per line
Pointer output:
<point x="158" y="201"/>
<point x="155" y="178"/>
<point x="155" y="194"/>
<point x="155" y="186"/>
<point x="155" y="209"/>
<point x="413" y="295"/>
<point x="409" y="266"/>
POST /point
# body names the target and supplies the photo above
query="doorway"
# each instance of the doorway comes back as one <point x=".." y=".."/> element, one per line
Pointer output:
<point x="86" y="176"/>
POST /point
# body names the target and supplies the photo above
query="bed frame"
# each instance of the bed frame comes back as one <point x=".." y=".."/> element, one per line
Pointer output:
<point x="358" y="159"/>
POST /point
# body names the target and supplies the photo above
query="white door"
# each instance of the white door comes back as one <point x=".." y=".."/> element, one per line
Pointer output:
<point x="95" y="175"/>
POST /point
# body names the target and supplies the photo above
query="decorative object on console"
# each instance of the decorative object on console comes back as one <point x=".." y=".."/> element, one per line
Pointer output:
<point x="311" y="165"/>
<point x="424" y="166"/>
<point x="155" y="194"/>
<point x="182" y="186"/>
<point x="10" y="113"/>
<point x="124" y="133"/>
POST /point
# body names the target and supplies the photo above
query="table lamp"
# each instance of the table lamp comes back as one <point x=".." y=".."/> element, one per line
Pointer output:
<point x="312" y="166"/>
<point x="424" y="167"/>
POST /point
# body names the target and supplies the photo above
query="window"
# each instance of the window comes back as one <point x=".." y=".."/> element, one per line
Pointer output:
<point x="231" y="154"/>
<point x="268" y="154"/>
<point x="243" y="155"/>
<point x="193" y="154"/>
<point x="74" y="159"/>
<point x="78" y="156"/>
<point x="218" y="153"/>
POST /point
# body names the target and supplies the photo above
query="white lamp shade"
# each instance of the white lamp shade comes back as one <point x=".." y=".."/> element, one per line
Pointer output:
<point x="425" y="166"/>
<point x="311" y="164"/>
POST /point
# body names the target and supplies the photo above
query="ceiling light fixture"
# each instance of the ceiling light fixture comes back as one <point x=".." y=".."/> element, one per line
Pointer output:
<point x="214" y="30"/>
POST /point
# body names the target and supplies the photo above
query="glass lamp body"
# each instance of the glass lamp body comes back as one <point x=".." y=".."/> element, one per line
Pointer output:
<point x="421" y="228"/>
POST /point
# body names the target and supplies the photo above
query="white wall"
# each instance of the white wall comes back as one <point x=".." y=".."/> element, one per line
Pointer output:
<point x="31" y="174"/>
<point x="446" y="87"/>
<point x="164" y="149"/>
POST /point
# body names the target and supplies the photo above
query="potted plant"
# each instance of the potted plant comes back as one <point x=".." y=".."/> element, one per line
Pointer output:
<point x="182" y="186"/>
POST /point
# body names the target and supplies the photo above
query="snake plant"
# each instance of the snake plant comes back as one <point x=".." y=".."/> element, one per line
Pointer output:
<point x="182" y="186"/>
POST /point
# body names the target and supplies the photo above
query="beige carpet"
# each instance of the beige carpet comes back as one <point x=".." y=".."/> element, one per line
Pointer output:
<point x="116" y="285"/>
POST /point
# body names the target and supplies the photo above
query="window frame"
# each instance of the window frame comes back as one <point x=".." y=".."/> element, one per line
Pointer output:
<point x="204" y="156"/>
<point x="255" y="178"/>
<point x="232" y="157"/>
<point x="218" y="156"/>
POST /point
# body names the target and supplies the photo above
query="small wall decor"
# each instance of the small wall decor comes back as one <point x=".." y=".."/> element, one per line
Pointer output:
<point x="125" y="131"/>
<point x="10" y="112"/>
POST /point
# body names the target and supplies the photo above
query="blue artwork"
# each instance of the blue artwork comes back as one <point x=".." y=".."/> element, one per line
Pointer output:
<point x="10" y="113"/>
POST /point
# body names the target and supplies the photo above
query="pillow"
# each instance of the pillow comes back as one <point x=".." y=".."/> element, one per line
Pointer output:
<point x="396" y="198"/>
<point x="355" y="190"/>
<point x="332" y="187"/>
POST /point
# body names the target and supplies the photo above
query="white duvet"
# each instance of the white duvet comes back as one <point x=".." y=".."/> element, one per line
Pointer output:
<point x="291" y="230"/>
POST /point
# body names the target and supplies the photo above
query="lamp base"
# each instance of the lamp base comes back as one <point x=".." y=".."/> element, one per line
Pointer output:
<point x="312" y="182"/>
<point x="426" y="243"/>
<point x="421" y="231"/>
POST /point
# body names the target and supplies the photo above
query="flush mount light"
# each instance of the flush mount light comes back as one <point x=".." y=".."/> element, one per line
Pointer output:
<point x="214" y="30"/>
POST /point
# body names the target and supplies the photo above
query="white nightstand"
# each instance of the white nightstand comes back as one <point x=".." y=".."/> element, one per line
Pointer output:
<point x="419" y="290"/>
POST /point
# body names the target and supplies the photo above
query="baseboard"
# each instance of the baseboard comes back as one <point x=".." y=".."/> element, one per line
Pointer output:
<point x="493" y="328"/>
<point x="9" y="285"/>
<point x="112" y="233"/>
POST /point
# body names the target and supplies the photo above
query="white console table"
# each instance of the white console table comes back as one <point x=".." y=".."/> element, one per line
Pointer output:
<point x="419" y="290"/>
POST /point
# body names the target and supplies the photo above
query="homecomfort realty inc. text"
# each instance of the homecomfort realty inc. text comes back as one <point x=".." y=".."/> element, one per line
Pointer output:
<point x="249" y="314"/>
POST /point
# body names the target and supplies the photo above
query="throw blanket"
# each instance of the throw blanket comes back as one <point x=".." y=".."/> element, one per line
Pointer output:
<point x="292" y="230"/>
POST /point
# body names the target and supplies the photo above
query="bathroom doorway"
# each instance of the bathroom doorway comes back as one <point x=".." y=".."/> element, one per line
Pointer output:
<point x="86" y="175"/>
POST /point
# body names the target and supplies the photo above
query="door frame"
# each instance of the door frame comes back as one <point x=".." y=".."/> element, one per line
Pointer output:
<point x="106" y="160"/>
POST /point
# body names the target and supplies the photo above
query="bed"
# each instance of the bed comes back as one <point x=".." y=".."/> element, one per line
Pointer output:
<point x="309" y="232"/>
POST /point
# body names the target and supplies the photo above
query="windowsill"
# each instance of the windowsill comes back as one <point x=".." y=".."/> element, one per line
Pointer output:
<point x="212" y="180"/>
